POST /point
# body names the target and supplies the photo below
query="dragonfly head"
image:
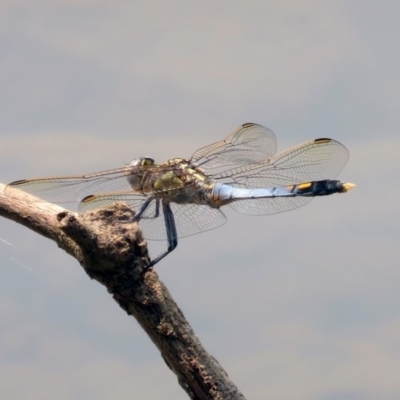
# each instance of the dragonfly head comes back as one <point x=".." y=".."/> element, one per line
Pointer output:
<point x="135" y="175"/>
<point x="141" y="161"/>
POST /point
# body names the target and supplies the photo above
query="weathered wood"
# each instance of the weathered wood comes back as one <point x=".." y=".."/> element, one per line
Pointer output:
<point x="111" y="250"/>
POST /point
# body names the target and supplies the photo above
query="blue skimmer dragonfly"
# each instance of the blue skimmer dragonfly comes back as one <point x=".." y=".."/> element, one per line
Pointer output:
<point x="182" y="197"/>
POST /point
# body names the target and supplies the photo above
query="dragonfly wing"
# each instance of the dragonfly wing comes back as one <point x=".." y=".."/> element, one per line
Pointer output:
<point x="247" y="144"/>
<point x="75" y="188"/>
<point x="269" y="206"/>
<point x="190" y="219"/>
<point x="313" y="160"/>
<point x="151" y="222"/>
<point x="101" y="200"/>
<point x="310" y="161"/>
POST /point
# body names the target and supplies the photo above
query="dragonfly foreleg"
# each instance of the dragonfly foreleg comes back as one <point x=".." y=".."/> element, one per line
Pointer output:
<point x="139" y="215"/>
<point x="142" y="209"/>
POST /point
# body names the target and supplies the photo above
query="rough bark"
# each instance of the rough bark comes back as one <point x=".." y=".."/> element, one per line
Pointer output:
<point x="111" y="250"/>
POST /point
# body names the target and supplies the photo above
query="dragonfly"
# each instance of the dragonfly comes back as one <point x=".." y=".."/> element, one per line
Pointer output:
<point x="183" y="197"/>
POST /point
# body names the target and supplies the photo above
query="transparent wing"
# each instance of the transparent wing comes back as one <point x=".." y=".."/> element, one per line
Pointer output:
<point x="269" y="206"/>
<point x="75" y="188"/>
<point x="95" y="201"/>
<point x="313" y="160"/>
<point x="190" y="219"/>
<point x="310" y="161"/>
<point x="248" y="144"/>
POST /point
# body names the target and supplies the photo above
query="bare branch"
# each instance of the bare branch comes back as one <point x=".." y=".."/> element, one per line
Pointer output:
<point x="112" y="250"/>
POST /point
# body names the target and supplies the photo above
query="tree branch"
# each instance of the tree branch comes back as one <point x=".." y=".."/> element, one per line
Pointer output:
<point x="111" y="250"/>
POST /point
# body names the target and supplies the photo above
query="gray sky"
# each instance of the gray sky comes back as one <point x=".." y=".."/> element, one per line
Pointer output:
<point x="300" y="305"/>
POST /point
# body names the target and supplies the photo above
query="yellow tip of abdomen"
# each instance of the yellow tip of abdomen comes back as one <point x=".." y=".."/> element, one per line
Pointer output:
<point x="348" y="186"/>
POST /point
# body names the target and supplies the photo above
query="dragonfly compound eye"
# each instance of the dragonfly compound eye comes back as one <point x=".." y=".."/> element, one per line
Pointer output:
<point x="141" y="161"/>
<point x="147" y="161"/>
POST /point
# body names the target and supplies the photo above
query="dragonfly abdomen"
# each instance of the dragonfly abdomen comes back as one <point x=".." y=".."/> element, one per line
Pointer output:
<point x="223" y="193"/>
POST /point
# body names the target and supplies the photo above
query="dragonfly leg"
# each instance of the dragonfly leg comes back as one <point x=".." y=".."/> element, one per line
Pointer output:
<point x="139" y="215"/>
<point x="142" y="209"/>
<point x="170" y="226"/>
<point x="157" y="210"/>
<point x="172" y="235"/>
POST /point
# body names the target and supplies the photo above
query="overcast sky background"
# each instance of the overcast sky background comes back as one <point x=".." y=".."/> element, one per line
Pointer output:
<point x="300" y="305"/>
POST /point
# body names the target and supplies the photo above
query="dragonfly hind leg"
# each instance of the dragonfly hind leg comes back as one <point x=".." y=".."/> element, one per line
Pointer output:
<point x="172" y="235"/>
